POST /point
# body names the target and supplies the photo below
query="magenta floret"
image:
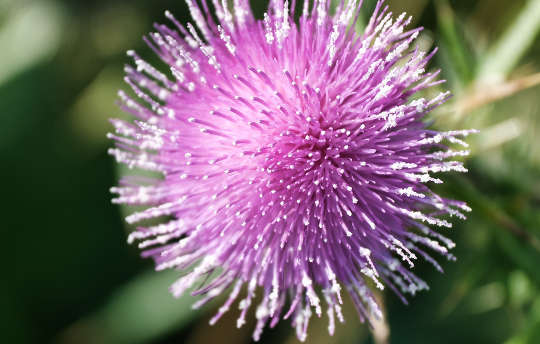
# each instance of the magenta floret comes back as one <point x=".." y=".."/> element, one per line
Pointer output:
<point x="293" y="158"/>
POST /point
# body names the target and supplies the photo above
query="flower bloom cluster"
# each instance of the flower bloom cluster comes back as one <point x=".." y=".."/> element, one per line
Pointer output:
<point x="294" y="159"/>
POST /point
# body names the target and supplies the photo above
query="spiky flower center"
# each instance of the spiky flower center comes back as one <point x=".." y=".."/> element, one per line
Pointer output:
<point x="292" y="158"/>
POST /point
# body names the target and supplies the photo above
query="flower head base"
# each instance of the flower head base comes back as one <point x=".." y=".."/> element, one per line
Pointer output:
<point x="293" y="161"/>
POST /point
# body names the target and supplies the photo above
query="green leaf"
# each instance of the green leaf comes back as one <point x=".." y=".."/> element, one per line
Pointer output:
<point x="454" y="42"/>
<point x="504" y="55"/>
<point x="22" y="45"/>
<point x="138" y="312"/>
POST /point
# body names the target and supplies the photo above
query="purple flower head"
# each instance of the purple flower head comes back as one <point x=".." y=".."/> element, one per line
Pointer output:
<point x="293" y="159"/>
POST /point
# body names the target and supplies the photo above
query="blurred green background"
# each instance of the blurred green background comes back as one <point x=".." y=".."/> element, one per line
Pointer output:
<point x="77" y="281"/>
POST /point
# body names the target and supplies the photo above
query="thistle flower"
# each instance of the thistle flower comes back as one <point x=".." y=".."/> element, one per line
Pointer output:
<point x="293" y="159"/>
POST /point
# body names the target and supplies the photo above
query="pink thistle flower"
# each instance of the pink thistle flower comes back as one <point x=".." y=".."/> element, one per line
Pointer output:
<point x="293" y="160"/>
